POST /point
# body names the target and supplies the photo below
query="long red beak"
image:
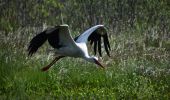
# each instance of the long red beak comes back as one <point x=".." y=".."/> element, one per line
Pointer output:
<point x="98" y="63"/>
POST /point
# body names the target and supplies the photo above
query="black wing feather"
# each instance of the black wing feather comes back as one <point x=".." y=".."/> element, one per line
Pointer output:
<point x="107" y="41"/>
<point x="95" y="38"/>
<point x="36" y="42"/>
<point x="95" y="47"/>
<point x="106" y="45"/>
<point x="53" y="38"/>
<point x="99" y="46"/>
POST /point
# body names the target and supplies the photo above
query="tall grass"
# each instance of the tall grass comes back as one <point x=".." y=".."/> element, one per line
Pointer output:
<point x="134" y="71"/>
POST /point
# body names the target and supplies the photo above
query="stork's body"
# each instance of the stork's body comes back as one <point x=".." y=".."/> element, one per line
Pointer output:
<point x="64" y="46"/>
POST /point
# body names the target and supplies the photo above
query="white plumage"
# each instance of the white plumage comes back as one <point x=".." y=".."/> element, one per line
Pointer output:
<point x="64" y="45"/>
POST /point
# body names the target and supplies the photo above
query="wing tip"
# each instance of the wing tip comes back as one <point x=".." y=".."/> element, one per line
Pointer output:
<point x="31" y="51"/>
<point x="36" y="42"/>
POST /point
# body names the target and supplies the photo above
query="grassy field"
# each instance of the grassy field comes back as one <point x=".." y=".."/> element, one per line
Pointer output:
<point x="137" y="69"/>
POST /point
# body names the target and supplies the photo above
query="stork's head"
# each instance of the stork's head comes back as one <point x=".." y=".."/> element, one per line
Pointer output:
<point x="96" y="61"/>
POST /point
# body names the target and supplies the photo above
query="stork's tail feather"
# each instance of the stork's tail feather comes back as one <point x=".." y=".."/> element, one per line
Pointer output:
<point x="36" y="42"/>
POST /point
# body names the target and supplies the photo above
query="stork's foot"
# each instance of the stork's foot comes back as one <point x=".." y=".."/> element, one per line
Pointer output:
<point x="45" y="68"/>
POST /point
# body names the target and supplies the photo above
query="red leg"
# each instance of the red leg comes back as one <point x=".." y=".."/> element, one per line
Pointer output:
<point x="49" y="65"/>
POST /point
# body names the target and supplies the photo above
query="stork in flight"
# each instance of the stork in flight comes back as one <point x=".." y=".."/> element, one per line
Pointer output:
<point x="64" y="45"/>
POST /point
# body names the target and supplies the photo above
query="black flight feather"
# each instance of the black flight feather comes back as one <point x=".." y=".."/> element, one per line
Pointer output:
<point x="36" y="42"/>
<point x="95" y="47"/>
<point x="99" y="46"/>
<point x="106" y="44"/>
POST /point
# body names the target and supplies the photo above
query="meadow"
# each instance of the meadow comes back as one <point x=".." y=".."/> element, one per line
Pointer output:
<point x="134" y="71"/>
<point x="139" y="66"/>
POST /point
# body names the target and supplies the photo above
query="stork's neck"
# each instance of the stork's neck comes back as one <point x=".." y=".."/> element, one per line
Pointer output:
<point x="90" y="59"/>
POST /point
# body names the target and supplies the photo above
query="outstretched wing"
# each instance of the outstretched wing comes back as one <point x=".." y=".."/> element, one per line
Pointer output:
<point x="37" y="42"/>
<point x="94" y="36"/>
<point x="57" y="37"/>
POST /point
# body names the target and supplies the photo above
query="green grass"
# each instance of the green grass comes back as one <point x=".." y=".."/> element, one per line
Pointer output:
<point x="134" y="71"/>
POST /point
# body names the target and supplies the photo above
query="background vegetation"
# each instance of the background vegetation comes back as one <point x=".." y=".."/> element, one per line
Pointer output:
<point x="139" y="32"/>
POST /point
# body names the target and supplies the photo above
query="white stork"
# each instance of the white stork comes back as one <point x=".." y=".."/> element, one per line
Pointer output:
<point x="64" y="45"/>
